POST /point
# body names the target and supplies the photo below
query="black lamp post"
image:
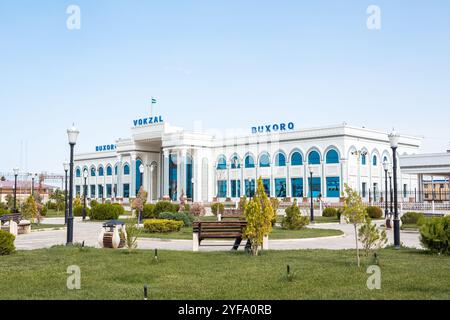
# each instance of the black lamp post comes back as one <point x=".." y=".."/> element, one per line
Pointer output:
<point x="16" y="173"/>
<point x="311" y="193"/>
<point x="391" y="193"/>
<point x="72" y="135"/>
<point x="32" y="185"/>
<point x="386" y="208"/>
<point x="66" y="208"/>
<point x="85" y="175"/>
<point x="393" y="139"/>
<point x="141" y="171"/>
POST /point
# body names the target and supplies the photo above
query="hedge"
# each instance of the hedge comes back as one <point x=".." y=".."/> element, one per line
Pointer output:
<point x="162" y="225"/>
<point x="106" y="211"/>
<point x="329" y="212"/>
<point x="165" y="206"/>
<point x="178" y="216"/>
<point x="411" y="217"/>
<point x="78" y="211"/>
<point x="374" y="212"/>
<point x="435" y="234"/>
<point x="149" y="211"/>
<point x="6" y="243"/>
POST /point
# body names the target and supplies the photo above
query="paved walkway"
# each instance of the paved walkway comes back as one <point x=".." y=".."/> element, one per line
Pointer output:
<point x="89" y="232"/>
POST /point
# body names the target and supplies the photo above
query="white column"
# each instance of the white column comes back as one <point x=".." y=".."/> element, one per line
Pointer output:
<point x="183" y="182"/>
<point x="243" y="177"/>
<point x="133" y="176"/>
<point x="228" y="181"/>
<point x="323" y="182"/>
<point x="166" y="153"/>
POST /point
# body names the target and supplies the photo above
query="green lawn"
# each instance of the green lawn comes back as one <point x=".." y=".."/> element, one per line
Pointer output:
<point x="54" y="214"/>
<point x="35" y="226"/>
<point x="277" y="233"/>
<point x="319" y="274"/>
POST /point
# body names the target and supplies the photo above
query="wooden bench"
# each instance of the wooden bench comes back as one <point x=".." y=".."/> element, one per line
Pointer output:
<point x="217" y="230"/>
<point x="16" y="217"/>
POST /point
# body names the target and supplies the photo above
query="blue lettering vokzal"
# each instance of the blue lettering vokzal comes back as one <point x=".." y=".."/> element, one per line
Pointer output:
<point x="147" y="121"/>
<point x="273" y="128"/>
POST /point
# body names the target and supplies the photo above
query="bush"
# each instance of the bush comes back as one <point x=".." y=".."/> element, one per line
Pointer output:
<point x="198" y="210"/>
<point x="149" y="211"/>
<point x="105" y="212"/>
<point x="178" y="216"/>
<point x="374" y="212"/>
<point x="44" y="211"/>
<point x="51" y="205"/>
<point x="217" y="208"/>
<point x="435" y="234"/>
<point x="162" y="226"/>
<point x="329" y="212"/>
<point x="164" y="206"/>
<point x="4" y="211"/>
<point x="93" y="203"/>
<point x="411" y="217"/>
<point x="117" y="206"/>
<point x="78" y="211"/>
<point x="293" y="220"/>
<point x="6" y="243"/>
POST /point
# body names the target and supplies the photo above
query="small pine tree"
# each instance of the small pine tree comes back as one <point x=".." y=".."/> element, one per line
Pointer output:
<point x="30" y="209"/>
<point x="371" y="236"/>
<point x="293" y="220"/>
<point x="355" y="213"/>
<point x="259" y="214"/>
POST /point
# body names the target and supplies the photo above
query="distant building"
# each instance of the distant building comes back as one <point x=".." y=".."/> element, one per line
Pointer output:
<point x="436" y="189"/>
<point x="24" y="190"/>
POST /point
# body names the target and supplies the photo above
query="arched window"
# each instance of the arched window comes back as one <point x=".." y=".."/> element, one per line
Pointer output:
<point x="249" y="161"/>
<point x="314" y="158"/>
<point x="363" y="159"/>
<point x="280" y="160"/>
<point x="78" y="173"/>
<point x="101" y="172"/>
<point x="264" y="161"/>
<point x="235" y="162"/>
<point x="126" y="169"/>
<point x="92" y="172"/>
<point x="108" y="171"/>
<point x="222" y="163"/>
<point x="116" y="169"/>
<point x="332" y="156"/>
<point x="296" y="159"/>
<point x="375" y="160"/>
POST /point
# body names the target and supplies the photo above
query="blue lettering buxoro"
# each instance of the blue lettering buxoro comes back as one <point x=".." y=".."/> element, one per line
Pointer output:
<point x="273" y="128"/>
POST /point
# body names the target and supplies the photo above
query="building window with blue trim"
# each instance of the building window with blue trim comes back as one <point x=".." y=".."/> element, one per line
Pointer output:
<point x="78" y="190"/>
<point x="222" y="189"/>
<point x="92" y="172"/>
<point x="126" y="190"/>
<point x="235" y="188"/>
<point x="78" y="173"/>
<point x="266" y="183"/>
<point x="100" y="191"/>
<point x="296" y="159"/>
<point x="280" y="188"/>
<point x="314" y="157"/>
<point x="316" y="187"/>
<point x="92" y="191"/>
<point x="249" y="162"/>
<point x="222" y="163"/>
<point x="375" y="161"/>
<point x="101" y="172"/>
<point x="173" y="177"/>
<point x="333" y="187"/>
<point x="332" y="157"/>
<point x="126" y="170"/>
<point x="139" y="176"/>
<point x="264" y="161"/>
<point x="189" y="176"/>
<point x="235" y="163"/>
<point x="280" y="160"/>
<point x="363" y="159"/>
<point x="108" y="171"/>
<point x="249" y="188"/>
<point x="109" y="191"/>
<point x="297" y="187"/>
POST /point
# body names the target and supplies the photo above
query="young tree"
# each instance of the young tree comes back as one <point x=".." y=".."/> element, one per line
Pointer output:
<point x="354" y="213"/>
<point x="133" y="233"/>
<point x="371" y="236"/>
<point x="259" y="214"/>
<point x="139" y="201"/>
<point x="30" y="209"/>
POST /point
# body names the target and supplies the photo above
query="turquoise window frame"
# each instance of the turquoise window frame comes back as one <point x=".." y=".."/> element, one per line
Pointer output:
<point x="296" y="159"/>
<point x="221" y="188"/>
<point x="109" y="190"/>
<point x="126" y="170"/>
<point x="235" y="163"/>
<point x="314" y="157"/>
<point x="280" y="188"/>
<point x="280" y="160"/>
<point x="297" y="187"/>
<point x="332" y="157"/>
<point x="126" y="190"/>
<point x="249" y="162"/>
<point x="109" y="171"/>
<point x="333" y="187"/>
<point x="250" y="188"/>
<point x="316" y="187"/>
<point x="264" y="161"/>
<point x="266" y="184"/>
<point x="235" y="188"/>
<point x="222" y="163"/>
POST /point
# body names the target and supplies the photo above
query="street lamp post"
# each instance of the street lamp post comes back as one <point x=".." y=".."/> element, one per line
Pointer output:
<point x="311" y="172"/>
<point x="393" y="139"/>
<point x="32" y="185"/>
<point x="152" y="168"/>
<point x="386" y="208"/>
<point x="72" y="135"/>
<point x="16" y="173"/>
<point x="391" y="201"/>
<point x="141" y="171"/>
<point x="66" y="207"/>
<point x="85" y="175"/>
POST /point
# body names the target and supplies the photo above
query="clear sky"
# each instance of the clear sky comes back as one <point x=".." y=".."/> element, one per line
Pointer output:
<point x="229" y="63"/>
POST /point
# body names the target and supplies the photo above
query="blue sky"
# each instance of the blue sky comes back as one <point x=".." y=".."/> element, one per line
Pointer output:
<point x="229" y="63"/>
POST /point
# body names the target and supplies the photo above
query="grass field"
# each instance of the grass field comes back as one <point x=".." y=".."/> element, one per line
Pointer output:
<point x="319" y="274"/>
<point x="41" y="226"/>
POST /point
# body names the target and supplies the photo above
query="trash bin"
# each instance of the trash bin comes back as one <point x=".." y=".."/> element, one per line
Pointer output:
<point x="113" y="235"/>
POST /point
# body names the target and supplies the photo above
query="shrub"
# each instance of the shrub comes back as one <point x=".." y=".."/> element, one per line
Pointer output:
<point x="411" y="217"/>
<point x="6" y="243"/>
<point x="133" y="233"/>
<point x="105" y="212"/>
<point x="217" y="208"/>
<point x="93" y="203"/>
<point x="242" y="203"/>
<point x="178" y="216"/>
<point x="4" y="211"/>
<point x="198" y="210"/>
<point x="162" y="226"/>
<point x="149" y="211"/>
<point x="78" y="211"/>
<point x="371" y="237"/>
<point x="51" y="205"/>
<point x="329" y="212"/>
<point x="435" y="234"/>
<point x="164" y="206"/>
<point x="293" y="220"/>
<point x="374" y="212"/>
<point x="44" y="211"/>
<point x="117" y="206"/>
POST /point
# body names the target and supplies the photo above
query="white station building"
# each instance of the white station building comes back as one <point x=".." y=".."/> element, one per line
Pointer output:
<point x="206" y="168"/>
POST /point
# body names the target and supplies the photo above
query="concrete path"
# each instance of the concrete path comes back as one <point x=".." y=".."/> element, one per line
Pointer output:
<point x="89" y="232"/>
